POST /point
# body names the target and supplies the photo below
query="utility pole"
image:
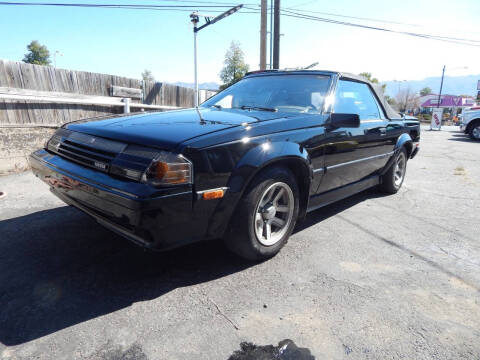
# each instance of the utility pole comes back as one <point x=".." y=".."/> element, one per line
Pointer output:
<point x="441" y="87"/>
<point x="195" y="19"/>
<point x="276" y="35"/>
<point x="271" y="35"/>
<point x="263" y="35"/>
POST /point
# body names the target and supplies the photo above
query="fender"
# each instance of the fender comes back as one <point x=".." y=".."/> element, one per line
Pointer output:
<point x="256" y="159"/>
<point x="403" y="140"/>
<point x="472" y="122"/>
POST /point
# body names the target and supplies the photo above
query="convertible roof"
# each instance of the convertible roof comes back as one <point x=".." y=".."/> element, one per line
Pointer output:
<point x="390" y="112"/>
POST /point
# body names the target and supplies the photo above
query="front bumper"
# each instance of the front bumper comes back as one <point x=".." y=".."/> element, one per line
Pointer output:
<point x="415" y="149"/>
<point x="151" y="217"/>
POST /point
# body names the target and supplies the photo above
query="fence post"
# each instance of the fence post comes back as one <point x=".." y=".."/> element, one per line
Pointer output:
<point x="126" y="106"/>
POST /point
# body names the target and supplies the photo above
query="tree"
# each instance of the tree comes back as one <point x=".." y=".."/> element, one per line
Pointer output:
<point x="425" y="91"/>
<point x="373" y="80"/>
<point x="406" y="100"/>
<point x="390" y="100"/>
<point x="147" y="75"/>
<point x="234" y="67"/>
<point x="38" y="54"/>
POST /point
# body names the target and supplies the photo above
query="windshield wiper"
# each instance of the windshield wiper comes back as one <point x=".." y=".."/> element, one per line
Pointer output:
<point x="260" y="108"/>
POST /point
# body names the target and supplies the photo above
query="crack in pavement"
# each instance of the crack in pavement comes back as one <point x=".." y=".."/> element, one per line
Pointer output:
<point x="412" y="253"/>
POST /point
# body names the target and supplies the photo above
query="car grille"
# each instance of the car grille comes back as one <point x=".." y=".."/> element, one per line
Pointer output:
<point x="88" y="150"/>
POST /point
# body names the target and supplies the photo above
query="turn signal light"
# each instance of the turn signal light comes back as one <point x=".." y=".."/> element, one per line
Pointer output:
<point x="213" y="194"/>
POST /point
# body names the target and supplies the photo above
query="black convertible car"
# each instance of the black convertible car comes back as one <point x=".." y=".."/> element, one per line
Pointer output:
<point x="245" y="166"/>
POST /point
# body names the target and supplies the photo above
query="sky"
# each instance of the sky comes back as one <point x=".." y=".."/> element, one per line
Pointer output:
<point x="125" y="42"/>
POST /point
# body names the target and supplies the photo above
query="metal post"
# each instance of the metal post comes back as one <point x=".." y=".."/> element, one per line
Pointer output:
<point x="276" y="34"/>
<point x="195" y="62"/>
<point x="263" y="35"/>
<point x="194" y="18"/>
<point x="441" y="87"/>
<point x="126" y="105"/>
<point x="271" y="34"/>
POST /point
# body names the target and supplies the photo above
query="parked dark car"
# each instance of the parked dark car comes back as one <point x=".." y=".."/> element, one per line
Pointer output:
<point x="245" y="166"/>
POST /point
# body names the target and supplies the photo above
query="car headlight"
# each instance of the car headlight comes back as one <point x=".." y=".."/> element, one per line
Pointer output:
<point x="168" y="169"/>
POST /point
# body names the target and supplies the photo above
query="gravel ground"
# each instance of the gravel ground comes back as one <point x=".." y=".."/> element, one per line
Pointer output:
<point x="371" y="277"/>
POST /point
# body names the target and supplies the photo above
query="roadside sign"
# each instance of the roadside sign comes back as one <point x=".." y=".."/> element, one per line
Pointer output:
<point x="436" y="123"/>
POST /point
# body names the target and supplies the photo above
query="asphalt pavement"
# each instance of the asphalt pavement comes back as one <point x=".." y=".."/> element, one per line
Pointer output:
<point x="370" y="277"/>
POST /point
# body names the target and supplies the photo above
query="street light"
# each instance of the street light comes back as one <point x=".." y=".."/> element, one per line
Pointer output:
<point x="55" y="57"/>
<point x="399" y="82"/>
<point x="195" y="19"/>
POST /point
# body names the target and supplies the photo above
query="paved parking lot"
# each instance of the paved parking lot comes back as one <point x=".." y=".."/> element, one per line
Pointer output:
<point x="372" y="277"/>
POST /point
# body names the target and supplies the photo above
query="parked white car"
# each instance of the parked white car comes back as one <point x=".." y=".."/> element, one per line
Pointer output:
<point x="470" y="122"/>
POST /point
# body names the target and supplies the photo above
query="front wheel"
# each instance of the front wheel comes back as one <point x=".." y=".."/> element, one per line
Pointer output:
<point x="475" y="131"/>
<point x="392" y="180"/>
<point x="265" y="216"/>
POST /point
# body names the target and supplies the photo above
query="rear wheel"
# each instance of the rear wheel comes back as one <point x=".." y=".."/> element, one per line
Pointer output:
<point x="265" y="216"/>
<point x="392" y="180"/>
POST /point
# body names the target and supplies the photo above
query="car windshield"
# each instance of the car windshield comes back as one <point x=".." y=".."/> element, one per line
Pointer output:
<point x="285" y="93"/>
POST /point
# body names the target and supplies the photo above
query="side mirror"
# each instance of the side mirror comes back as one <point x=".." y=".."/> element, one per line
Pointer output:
<point x="338" y="120"/>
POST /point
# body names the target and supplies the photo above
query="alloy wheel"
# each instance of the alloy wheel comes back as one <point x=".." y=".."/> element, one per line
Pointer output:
<point x="399" y="171"/>
<point x="274" y="213"/>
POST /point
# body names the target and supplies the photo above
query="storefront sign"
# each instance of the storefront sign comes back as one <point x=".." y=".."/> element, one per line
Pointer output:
<point x="436" y="123"/>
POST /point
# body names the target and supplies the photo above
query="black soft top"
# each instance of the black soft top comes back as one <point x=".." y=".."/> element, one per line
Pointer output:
<point x="377" y="88"/>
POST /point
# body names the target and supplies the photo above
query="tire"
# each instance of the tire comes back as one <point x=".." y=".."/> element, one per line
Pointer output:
<point x="475" y="131"/>
<point x="392" y="180"/>
<point x="273" y="189"/>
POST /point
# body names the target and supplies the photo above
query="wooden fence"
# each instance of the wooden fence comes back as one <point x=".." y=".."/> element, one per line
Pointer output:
<point x="18" y="77"/>
<point x="35" y="99"/>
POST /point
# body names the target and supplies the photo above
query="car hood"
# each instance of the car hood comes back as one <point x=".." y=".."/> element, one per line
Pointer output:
<point x="168" y="129"/>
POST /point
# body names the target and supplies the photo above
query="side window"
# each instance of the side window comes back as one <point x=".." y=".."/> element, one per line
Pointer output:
<point x="355" y="98"/>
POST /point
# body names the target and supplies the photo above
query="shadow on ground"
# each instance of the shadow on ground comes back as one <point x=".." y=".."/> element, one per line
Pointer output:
<point x="462" y="137"/>
<point x="59" y="268"/>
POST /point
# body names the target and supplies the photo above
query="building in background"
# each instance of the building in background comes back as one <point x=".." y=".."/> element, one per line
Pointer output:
<point x="453" y="105"/>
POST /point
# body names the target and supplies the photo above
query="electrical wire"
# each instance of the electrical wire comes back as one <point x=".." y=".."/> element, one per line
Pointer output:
<point x="247" y="10"/>
<point x="351" y="17"/>
<point x="123" y="6"/>
<point x="468" y="42"/>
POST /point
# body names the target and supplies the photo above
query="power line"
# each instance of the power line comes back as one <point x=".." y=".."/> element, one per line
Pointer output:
<point x="122" y="6"/>
<point x="303" y="12"/>
<point x="425" y="36"/>
<point x="350" y="17"/>
<point x="248" y="10"/>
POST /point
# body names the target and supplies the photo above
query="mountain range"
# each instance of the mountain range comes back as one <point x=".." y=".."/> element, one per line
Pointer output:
<point x="206" y="85"/>
<point x="452" y="85"/>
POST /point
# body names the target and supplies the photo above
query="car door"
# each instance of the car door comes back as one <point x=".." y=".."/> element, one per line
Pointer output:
<point x="352" y="154"/>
